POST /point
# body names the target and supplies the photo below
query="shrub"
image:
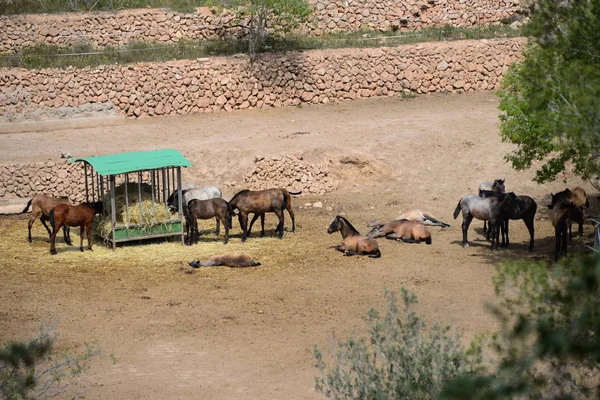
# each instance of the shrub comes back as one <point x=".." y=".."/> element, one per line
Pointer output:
<point x="402" y="359"/>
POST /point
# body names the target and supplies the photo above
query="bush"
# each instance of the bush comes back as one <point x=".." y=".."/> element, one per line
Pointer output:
<point x="36" y="370"/>
<point x="402" y="359"/>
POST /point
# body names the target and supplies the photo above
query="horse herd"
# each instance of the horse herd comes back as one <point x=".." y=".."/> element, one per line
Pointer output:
<point x="492" y="205"/>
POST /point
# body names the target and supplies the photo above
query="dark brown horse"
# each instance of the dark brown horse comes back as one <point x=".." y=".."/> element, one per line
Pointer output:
<point x="562" y="215"/>
<point x="80" y="215"/>
<point x="216" y="208"/>
<point x="260" y="202"/>
<point x="353" y="242"/>
<point x="41" y="205"/>
<point x="578" y="197"/>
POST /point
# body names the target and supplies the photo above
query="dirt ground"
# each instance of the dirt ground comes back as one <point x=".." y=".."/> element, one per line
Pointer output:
<point x="224" y="333"/>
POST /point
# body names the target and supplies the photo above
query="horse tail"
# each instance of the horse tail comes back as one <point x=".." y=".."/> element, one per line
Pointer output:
<point x="434" y="221"/>
<point x="52" y="221"/>
<point x="230" y="214"/>
<point x="457" y="210"/>
<point x="27" y="207"/>
<point x="587" y="203"/>
<point x="376" y="253"/>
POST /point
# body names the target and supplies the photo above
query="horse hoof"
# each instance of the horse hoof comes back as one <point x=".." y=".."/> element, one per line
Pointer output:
<point x="81" y="249"/>
<point x="465" y="245"/>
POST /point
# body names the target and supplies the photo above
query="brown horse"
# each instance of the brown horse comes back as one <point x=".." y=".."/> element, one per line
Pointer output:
<point x="80" y="215"/>
<point x="216" y="208"/>
<point x="260" y="202"/>
<point x="578" y="197"/>
<point x="353" y="242"/>
<point x="405" y="230"/>
<point x="40" y="207"/>
<point x="229" y="260"/>
<point x="562" y="215"/>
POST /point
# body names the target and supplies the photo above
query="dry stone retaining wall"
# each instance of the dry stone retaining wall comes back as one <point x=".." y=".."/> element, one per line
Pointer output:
<point x="213" y="84"/>
<point x="115" y="29"/>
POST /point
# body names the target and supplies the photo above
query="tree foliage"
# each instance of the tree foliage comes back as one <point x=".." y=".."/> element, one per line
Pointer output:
<point x="265" y="17"/>
<point x="551" y="100"/>
<point x="549" y="344"/>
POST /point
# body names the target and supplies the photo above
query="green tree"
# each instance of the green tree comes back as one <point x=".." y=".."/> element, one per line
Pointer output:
<point x="264" y="17"/>
<point x="549" y="344"/>
<point x="551" y="100"/>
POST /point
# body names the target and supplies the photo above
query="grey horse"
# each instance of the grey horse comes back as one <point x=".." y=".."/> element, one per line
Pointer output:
<point x="493" y="209"/>
<point x="496" y="186"/>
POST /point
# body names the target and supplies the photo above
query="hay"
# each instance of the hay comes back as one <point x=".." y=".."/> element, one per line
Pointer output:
<point x="145" y="214"/>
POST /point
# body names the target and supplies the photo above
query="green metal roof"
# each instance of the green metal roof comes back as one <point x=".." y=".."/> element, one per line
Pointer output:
<point x="113" y="164"/>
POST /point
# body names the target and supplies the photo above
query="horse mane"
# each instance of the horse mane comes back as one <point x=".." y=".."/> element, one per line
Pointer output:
<point x="241" y="192"/>
<point x="348" y="223"/>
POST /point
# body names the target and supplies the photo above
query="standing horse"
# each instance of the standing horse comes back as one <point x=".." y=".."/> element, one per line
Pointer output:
<point x="80" y="215"/>
<point x="206" y="209"/>
<point x="353" y="242"/>
<point x="40" y="207"/>
<point x="262" y="216"/>
<point x="491" y="209"/>
<point x="497" y="186"/>
<point x="260" y="202"/>
<point x="405" y="230"/>
<point x="578" y="197"/>
<point x="562" y="215"/>
<point x="526" y="212"/>
<point x="190" y="192"/>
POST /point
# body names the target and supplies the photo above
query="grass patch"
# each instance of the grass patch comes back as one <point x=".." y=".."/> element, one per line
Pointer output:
<point x="58" y="6"/>
<point x="85" y="55"/>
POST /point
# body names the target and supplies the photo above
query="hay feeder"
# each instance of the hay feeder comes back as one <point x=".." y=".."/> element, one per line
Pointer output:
<point x="135" y="187"/>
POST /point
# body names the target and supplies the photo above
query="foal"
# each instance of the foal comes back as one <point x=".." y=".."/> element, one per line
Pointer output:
<point x="354" y="243"/>
<point x="216" y="208"/>
<point x="80" y="215"/>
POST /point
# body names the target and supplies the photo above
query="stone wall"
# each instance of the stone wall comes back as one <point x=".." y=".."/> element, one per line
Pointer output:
<point x="116" y="29"/>
<point x="51" y="178"/>
<point x="213" y="84"/>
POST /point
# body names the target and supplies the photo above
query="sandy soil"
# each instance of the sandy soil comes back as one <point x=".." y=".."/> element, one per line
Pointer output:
<point x="225" y="333"/>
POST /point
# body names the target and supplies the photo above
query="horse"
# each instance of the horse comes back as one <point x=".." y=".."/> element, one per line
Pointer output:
<point x="190" y="192"/>
<point x="206" y="209"/>
<point x="353" y="242"/>
<point x="260" y="202"/>
<point x="562" y="215"/>
<point x="262" y="216"/>
<point x="527" y="210"/>
<point x="578" y="197"/>
<point x="493" y="209"/>
<point x="40" y="207"/>
<point x="230" y="260"/>
<point x="496" y="186"/>
<point x="80" y="215"/>
<point x="419" y="216"/>
<point x="403" y="229"/>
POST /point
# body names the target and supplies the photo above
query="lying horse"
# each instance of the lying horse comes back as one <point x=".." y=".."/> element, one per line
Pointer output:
<point x="493" y="209"/>
<point x="403" y="229"/>
<point x="260" y="202"/>
<point x="190" y="192"/>
<point x="80" y="215"/>
<point x="353" y="242"/>
<point x="206" y="209"/>
<point x="497" y="186"/>
<point x="40" y="207"/>
<point x="230" y="260"/>
<point x="562" y="215"/>
<point x="578" y="197"/>
<point x="419" y="216"/>
<point x="526" y="212"/>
